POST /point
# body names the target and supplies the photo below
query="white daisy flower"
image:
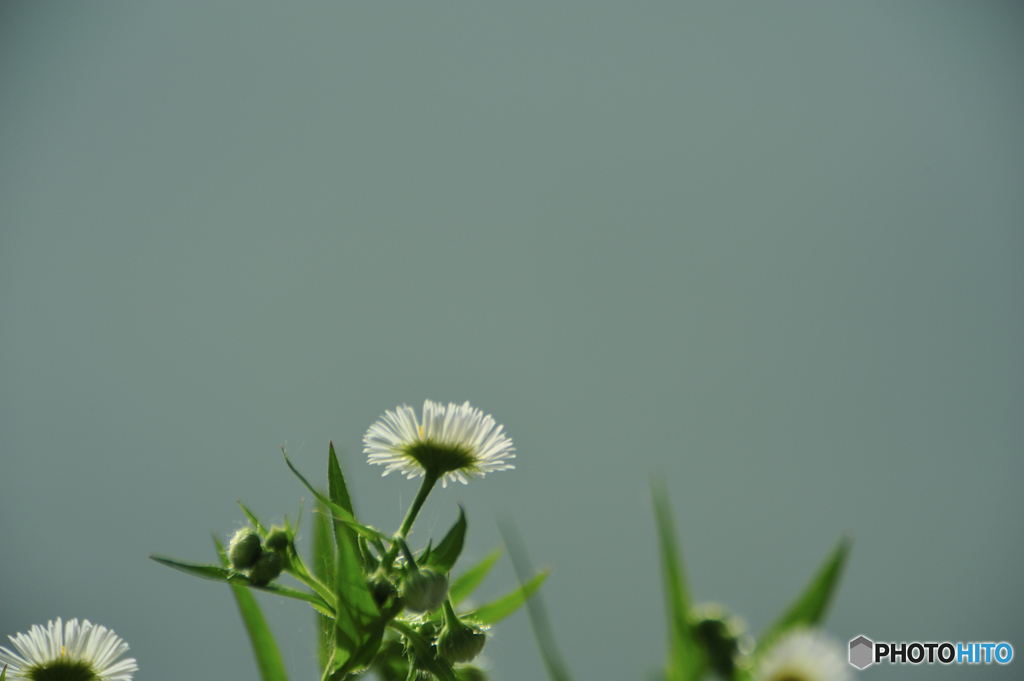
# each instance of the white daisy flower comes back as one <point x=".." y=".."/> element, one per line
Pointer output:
<point x="451" y="443"/>
<point x="803" y="655"/>
<point x="68" y="652"/>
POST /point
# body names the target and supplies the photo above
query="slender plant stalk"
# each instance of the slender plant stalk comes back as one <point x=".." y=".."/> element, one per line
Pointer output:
<point x="429" y="480"/>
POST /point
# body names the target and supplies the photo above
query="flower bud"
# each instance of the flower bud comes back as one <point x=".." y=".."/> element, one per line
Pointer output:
<point x="267" y="568"/>
<point x="458" y="641"/>
<point x="470" y="673"/>
<point x="277" y="539"/>
<point x="381" y="588"/>
<point x="424" y="590"/>
<point x="244" y="549"/>
<point x="719" y="633"/>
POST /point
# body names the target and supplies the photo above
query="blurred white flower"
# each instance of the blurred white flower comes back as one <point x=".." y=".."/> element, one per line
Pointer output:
<point x="68" y="652"/>
<point x="452" y="443"/>
<point x="803" y="655"/>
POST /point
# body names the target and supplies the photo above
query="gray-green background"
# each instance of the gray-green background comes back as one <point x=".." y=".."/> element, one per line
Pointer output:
<point x="771" y="253"/>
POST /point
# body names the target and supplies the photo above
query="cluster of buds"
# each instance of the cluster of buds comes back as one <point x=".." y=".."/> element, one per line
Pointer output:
<point x="260" y="560"/>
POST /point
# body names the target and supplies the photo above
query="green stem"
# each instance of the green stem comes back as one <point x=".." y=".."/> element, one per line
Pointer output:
<point x="298" y="570"/>
<point x="450" y="618"/>
<point x="429" y="480"/>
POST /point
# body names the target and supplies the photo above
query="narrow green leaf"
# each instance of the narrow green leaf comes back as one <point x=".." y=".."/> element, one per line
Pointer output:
<point x="506" y="605"/>
<point x="220" y="574"/>
<point x="264" y="648"/>
<point x="338" y="491"/>
<point x="370" y="562"/>
<point x="339" y="512"/>
<point x="3" y="674"/>
<point x="468" y="581"/>
<point x="809" y="608"/>
<point x="447" y="552"/>
<point x="424" y="558"/>
<point x="252" y="519"/>
<point x="686" y="660"/>
<point x="336" y="483"/>
<point x="437" y="666"/>
<point x="323" y="569"/>
<point x="358" y="628"/>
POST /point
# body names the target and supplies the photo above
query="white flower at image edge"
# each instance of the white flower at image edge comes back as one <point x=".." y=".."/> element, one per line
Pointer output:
<point x="804" y="655"/>
<point x="68" y="652"/>
<point x="456" y="442"/>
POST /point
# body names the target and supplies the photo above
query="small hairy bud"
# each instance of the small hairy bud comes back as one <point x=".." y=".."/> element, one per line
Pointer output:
<point x="267" y="568"/>
<point x="461" y="645"/>
<point x="719" y="633"/>
<point x="277" y="539"/>
<point x="458" y="641"/>
<point x="424" y="590"/>
<point x="470" y="673"/>
<point x="244" y="549"/>
<point x="381" y="589"/>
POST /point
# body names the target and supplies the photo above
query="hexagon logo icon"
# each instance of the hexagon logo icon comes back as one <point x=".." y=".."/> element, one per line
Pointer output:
<point x="861" y="652"/>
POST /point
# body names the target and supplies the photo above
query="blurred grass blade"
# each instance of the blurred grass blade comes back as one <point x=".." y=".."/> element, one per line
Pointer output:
<point x="506" y="605"/>
<point x="323" y="569"/>
<point x="542" y="632"/>
<point x="686" y="659"/>
<point x="809" y="608"/>
<point x="341" y="513"/>
<point x="447" y="552"/>
<point x="468" y="581"/>
<point x="264" y="648"/>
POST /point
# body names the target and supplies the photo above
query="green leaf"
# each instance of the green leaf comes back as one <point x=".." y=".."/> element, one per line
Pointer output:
<point x="469" y="580"/>
<point x="358" y="628"/>
<point x="809" y="608"/>
<point x="336" y="483"/>
<point x="323" y="569"/>
<point x="437" y="666"/>
<point x="3" y="674"/>
<point x="339" y="512"/>
<point x="506" y="605"/>
<point x="252" y="519"/>
<point x="220" y="574"/>
<point x="264" y="648"/>
<point x="686" y="660"/>
<point x="424" y="558"/>
<point x="338" y="492"/>
<point x="370" y="562"/>
<point x="447" y="552"/>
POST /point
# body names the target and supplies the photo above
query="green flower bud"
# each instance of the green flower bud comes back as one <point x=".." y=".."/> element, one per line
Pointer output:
<point x="424" y="590"/>
<point x="458" y="641"/>
<point x="244" y="549"/>
<point x="470" y="673"/>
<point x="381" y="588"/>
<point x="719" y="633"/>
<point x="267" y="568"/>
<point x="277" y="539"/>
